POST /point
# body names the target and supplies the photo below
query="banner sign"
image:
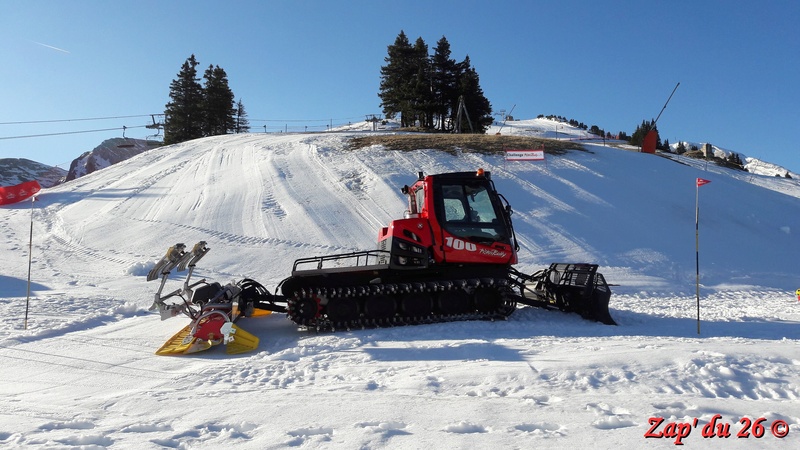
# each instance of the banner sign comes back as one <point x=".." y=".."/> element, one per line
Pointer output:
<point x="525" y="155"/>
<point x="18" y="193"/>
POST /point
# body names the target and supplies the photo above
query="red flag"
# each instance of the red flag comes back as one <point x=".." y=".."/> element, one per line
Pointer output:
<point x="701" y="181"/>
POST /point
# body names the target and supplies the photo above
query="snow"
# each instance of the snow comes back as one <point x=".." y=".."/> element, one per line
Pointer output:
<point x="15" y="171"/>
<point x="84" y="374"/>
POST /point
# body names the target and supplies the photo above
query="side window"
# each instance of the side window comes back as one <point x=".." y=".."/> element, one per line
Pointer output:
<point x="419" y="194"/>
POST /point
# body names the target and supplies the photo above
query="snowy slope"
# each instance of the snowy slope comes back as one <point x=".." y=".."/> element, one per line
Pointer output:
<point x="84" y="373"/>
<point x="555" y="129"/>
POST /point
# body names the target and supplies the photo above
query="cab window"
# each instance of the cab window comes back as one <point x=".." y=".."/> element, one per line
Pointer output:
<point x="468" y="212"/>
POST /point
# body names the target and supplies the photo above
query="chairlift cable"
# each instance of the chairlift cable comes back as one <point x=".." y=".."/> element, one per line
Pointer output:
<point x="303" y="120"/>
<point x="77" y="120"/>
<point x="68" y="132"/>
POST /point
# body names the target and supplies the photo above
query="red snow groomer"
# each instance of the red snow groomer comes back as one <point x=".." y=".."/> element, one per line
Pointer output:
<point x="450" y="258"/>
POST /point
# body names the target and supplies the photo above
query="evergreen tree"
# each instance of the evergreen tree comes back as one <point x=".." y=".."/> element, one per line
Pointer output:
<point x="426" y="89"/>
<point x="423" y="103"/>
<point x="735" y="161"/>
<point x="478" y="107"/>
<point x="641" y="131"/>
<point x="219" y="110"/>
<point x="184" y="113"/>
<point x="397" y="77"/>
<point x="242" y="124"/>
<point x="444" y="73"/>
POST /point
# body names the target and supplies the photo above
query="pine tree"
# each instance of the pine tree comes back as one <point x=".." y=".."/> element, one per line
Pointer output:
<point x="423" y="103"/>
<point x="397" y="77"/>
<point x="444" y="73"/>
<point x="218" y="104"/>
<point x="735" y="161"/>
<point x="426" y="89"/>
<point x="641" y="131"/>
<point x="478" y="107"/>
<point x="184" y="113"/>
<point x="242" y="124"/>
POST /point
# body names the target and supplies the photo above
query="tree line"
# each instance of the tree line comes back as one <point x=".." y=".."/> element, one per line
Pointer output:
<point x="434" y="92"/>
<point x="198" y="110"/>
<point x="430" y="91"/>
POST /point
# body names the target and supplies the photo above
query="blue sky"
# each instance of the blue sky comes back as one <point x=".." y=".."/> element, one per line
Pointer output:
<point x="313" y="63"/>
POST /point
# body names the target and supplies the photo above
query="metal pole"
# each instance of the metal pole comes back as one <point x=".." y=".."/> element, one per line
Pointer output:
<point x="665" y="104"/>
<point x="30" y="260"/>
<point x="697" y="250"/>
<point x="505" y="117"/>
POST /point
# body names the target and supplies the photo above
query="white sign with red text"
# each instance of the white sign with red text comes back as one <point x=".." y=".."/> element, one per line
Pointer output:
<point x="525" y="155"/>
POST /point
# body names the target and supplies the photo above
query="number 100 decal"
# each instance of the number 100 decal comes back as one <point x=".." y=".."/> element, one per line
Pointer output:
<point x="459" y="244"/>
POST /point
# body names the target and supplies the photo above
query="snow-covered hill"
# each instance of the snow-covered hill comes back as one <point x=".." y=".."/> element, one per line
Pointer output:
<point x="109" y="152"/>
<point x="554" y="129"/>
<point x="84" y="373"/>
<point x="14" y="171"/>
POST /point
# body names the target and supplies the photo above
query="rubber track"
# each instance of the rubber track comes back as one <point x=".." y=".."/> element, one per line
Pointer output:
<point x="307" y="298"/>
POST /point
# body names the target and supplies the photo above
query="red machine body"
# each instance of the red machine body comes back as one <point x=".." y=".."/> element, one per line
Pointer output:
<point x="457" y="218"/>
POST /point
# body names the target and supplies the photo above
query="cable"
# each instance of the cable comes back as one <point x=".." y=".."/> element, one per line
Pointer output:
<point x="68" y="132"/>
<point x="329" y="121"/>
<point x="77" y="120"/>
<point x="302" y="120"/>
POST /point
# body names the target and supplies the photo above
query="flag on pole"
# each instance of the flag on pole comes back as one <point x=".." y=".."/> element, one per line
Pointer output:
<point x="699" y="182"/>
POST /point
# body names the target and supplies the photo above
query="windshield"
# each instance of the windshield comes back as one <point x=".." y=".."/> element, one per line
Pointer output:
<point x="468" y="212"/>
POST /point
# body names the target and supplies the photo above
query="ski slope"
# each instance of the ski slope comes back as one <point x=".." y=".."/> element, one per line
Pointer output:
<point x="83" y="373"/>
